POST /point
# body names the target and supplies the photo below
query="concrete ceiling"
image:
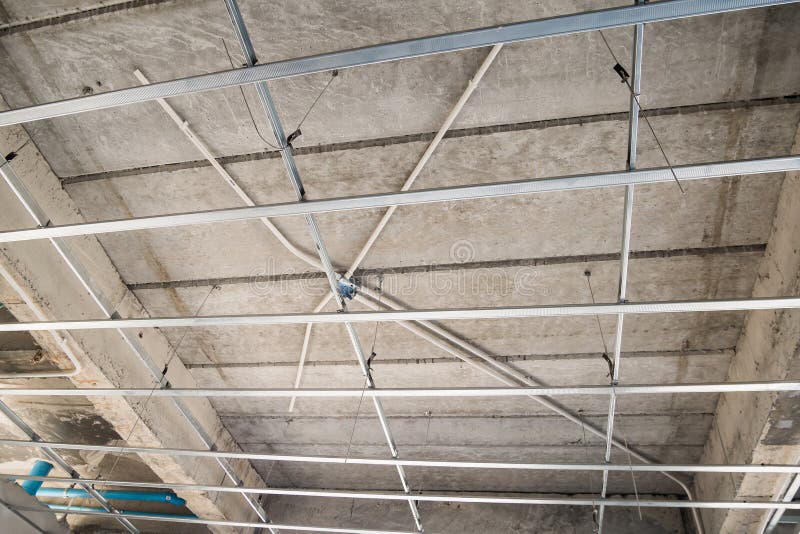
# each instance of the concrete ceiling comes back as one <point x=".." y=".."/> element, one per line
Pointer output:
<point x="720" y="87"/>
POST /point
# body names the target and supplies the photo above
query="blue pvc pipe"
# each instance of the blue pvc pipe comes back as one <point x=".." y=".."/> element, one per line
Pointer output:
<point x="39" y="469"/>
<point x="72" y="493"/>
<point x="65" y="508"/>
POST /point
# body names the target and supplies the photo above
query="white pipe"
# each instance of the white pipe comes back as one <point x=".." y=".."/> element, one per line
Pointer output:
<point x="203" y="148"/>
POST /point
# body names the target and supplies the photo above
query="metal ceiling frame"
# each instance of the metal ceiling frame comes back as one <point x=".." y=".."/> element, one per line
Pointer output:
<point x="635" y="15"/>
<point x="625" y="249"/>
<point x="548" y="391"/>
<point x="421" y="196"/>
<point x="452" y="314"/>
<point x="354" y="460"/>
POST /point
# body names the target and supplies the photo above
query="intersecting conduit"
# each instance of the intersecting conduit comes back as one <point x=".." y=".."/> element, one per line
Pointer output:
<point x="434" y="144"/>
<point x="294" y="176"/>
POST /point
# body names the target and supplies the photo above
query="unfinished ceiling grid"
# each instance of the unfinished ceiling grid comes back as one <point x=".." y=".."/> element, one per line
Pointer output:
<point x="544" y="253"/>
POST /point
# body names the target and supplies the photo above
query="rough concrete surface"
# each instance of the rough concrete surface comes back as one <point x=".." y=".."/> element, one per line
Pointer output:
<point x="714" y="88"/>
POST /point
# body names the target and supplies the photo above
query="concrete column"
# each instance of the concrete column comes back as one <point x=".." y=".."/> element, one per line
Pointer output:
<point x="761" y="428"/>
<point x="106" y="358"/>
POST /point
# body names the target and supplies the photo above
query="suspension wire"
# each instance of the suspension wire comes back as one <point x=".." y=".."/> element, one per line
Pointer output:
<point x="642" y="113"/>
<point x="355" y="421"/>
<point x="334" y="74"/>
<point x="588" y="275"/>
<point x="375" y="335"/>
<point x="589" y="474"/>
<point x="630" y="465"/>
<point x="428" y="414"/>
<point x="157" y="385"/>
<point x="246" y="103"/>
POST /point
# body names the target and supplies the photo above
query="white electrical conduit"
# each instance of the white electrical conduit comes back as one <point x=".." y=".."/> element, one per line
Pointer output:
<point x="455" y="464"/>
<point x="426" y="156"/>
<point x="311" y="260"/>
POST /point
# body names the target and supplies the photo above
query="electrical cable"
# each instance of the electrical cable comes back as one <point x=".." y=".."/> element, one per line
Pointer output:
<point x="630" y="465"/>
<point x="588" y="275"/>
<point x="355" y="421"/>
<point x="246" y="103"/>
<point x="589" y="476"/>
<point x="334" y="74"/>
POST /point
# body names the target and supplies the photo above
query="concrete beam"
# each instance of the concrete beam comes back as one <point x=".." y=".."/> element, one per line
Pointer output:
<point x="106" y="358"/>
<point x="761" y="428"/>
